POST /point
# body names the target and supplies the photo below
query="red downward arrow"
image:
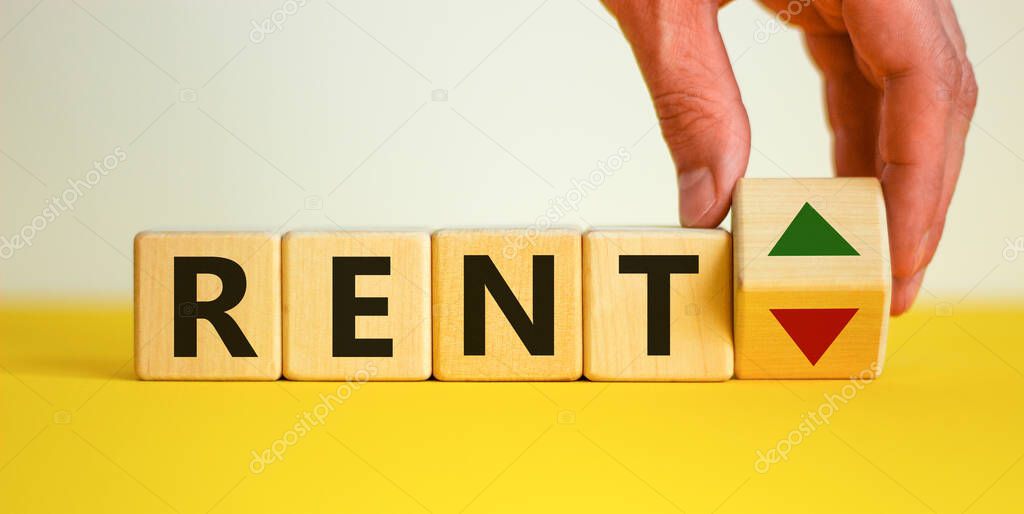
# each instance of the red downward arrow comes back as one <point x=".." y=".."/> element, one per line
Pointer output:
<point x="813" y="330"/>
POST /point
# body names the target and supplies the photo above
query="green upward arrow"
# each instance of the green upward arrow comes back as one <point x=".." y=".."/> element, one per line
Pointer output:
<point x="809" y="234"/>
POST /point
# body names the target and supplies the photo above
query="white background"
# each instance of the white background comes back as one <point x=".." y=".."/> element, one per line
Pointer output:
<point x="221" y="132"/>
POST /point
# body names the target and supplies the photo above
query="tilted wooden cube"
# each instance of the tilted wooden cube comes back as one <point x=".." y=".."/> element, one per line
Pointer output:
<point x="657" y="305"/>
<point x="811" y="276"/>
<point x="207" y="306"/>
<point x="507" y="305"/>
<point x="356" y="305"/>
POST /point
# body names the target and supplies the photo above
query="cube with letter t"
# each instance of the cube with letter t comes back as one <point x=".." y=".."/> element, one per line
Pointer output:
<point x="657" y="305"/>
<point x="207" y="306"/>
<point x="507" y="305"/>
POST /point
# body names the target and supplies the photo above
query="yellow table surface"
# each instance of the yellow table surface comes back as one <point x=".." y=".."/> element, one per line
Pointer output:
<point x="942" y="430"/>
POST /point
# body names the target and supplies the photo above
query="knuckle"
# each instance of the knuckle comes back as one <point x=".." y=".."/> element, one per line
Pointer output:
<point x="947" y="67"/>
<point x="968" y="98"/>
<point x="688" y="116"/>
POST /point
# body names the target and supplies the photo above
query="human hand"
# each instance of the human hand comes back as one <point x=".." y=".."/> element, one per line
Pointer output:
<point x="900" y="94"/>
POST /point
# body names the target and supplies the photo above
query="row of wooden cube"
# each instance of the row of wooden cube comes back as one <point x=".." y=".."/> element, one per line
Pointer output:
<point x="517" y="304"/>
<point x="331" y="305"/>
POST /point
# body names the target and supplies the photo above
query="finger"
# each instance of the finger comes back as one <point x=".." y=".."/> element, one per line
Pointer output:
<point x="819" y="17"/>
<point x="964" y="101"/>
<point x="904" y="291"/>
<point x="905" y="46"/>
<point x="853" y="102"/>
<point x="853" y="105"/>
<point x="684" y="63"/>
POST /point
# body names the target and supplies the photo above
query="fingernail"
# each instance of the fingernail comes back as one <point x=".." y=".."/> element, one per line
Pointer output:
<point x="922" y="249"/>
<point x="696" y="195"/>
<point x="905" y="291"/>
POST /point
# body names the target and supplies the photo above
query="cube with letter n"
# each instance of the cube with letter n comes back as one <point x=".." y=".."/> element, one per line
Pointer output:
<point x="507" y="304"/>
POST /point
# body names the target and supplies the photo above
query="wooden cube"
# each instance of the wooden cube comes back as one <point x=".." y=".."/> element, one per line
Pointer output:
<point x="207" y="306"/>
<point x="812" y="279"/>
<point x="507" y="305"/>
<point x="356" y="305"/>
<point x="657" y="305"/>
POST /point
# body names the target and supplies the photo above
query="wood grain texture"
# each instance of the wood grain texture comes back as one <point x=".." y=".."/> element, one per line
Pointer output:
<point x="511" y="251"/>
<point x="762" y="211"/>
<point x="308" y="321"/>
<point x="615" y="307"/>
<point x="258" y="314"/>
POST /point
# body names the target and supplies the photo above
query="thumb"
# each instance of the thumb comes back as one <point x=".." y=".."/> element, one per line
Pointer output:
<point x="687" y="70"/>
